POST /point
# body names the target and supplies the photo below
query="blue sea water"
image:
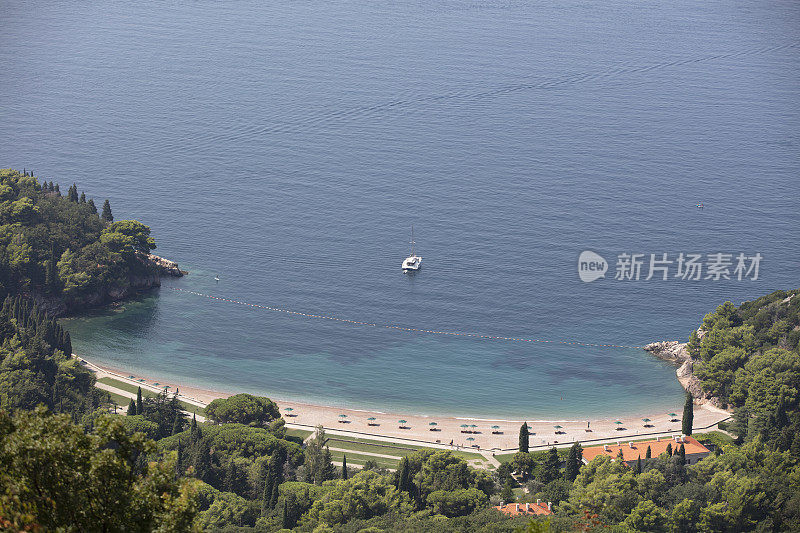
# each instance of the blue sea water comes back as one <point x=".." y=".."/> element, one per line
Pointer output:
<point x="289" y="146"/>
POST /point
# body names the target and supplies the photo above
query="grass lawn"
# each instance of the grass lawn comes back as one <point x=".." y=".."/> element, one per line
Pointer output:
<point x="300" y="433"/>
<point x="121" y="401"/>
<point x="356" y="459"/>
<point x="390" y="448"/>
<point x="127" y="387"/>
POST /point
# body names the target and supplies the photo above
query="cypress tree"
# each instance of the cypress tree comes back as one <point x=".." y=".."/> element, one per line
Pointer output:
<point x="682" y="454"/>
<point x="620" y="457"/>
<point x="344" y="466"/>
<point x="403" y="480"/>
<point x="67" y="346"/>
<point x="507" y="495"/>
<point x="781" y="419"/>
<point x="57" y="190"/>
<point x="688" y="415"/>
<point x="179" y="458"/>
<point x="550" y="466"/>
<point x="524" y="438"/>
<point x="573" y="462"/>
<point x="270" y="484"/>
<point x="139" y="403"/>
<point x="106" y="215"/>
<point x="131" y="408"/>
<point x="669" y="449"/>
<point x="193" y="427"/>
<point x="83" y="197"/>
<point x="648" y="454"/>
<point x="72" y="194"/>
<point x="92" y="206"/>
<point x="229" y="483"/>
<point x="286" y="523"/>
<point x="177" y="426"/>
<point x="639" y="465"/>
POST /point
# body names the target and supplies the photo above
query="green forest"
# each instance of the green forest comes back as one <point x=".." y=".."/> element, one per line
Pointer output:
<point x="60" y="251"/>
<point x="72" y="460"/>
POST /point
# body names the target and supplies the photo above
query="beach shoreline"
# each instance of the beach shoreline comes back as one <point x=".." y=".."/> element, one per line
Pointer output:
<point x="435" y="430"/>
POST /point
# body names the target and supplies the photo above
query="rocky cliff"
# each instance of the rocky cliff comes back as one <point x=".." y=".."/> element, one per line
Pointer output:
<point x="146" y="276"/>
<point x="677" y="353"/>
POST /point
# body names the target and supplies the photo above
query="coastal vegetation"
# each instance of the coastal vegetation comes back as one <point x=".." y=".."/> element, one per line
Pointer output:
<point x="58" y="251"/>
<point x="70" y="460"/>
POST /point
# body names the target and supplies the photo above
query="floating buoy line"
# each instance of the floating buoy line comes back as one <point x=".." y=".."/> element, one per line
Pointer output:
<point x="396" y="327"/>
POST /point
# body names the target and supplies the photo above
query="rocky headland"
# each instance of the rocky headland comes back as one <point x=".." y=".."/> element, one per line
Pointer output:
<point x="677" y="353"/>
<point x="146" y="275"/>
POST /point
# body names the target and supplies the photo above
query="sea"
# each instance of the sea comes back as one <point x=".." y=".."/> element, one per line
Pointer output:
<point x="287" y="148"/>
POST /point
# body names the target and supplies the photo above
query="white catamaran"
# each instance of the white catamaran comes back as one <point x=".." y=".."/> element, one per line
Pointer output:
<point x="413" y="262"/>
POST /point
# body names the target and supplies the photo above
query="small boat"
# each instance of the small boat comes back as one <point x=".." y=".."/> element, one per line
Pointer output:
<point x="700" y="205"/>
<point x="413" y="262"/>
<point x="216" y="278"/>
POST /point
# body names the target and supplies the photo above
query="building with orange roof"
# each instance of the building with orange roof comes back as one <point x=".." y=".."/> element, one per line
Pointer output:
<point x="525" y="509"/>
<point x="631" y="451"/>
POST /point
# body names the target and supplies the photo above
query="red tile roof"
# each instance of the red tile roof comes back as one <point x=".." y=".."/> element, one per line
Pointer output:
<point x="632" y="451"/>
<point x="515" y="509"/>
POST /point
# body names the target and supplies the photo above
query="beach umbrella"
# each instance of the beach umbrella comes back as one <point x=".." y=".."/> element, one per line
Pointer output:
<point x="557" y="427"/>
<point x="401" y="421"/>
<point x="131" y="377"/>
<point x="371" y="418"/>
<point x="288" y="409"/>
<point x="618" y="422"/>
<point x="464" y="425"/>
<point x="433" y="424"/>
<point x="470" y="438"/>
<point x="342" y="416"/>
<point x="646" y="420"/>
<point x="495" y="427"/>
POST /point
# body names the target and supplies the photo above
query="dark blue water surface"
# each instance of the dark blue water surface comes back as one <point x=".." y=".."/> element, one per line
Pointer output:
<point x="289" y="146"/>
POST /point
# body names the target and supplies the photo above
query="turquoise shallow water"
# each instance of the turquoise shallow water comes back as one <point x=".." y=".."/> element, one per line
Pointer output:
<point x="288" y="147"/>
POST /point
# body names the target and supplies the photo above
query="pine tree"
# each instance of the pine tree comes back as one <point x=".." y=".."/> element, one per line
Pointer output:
<point x="83" y="197"/>
<point x="688" y="415"/>
<point x="72" y="194"/>
<point x="139" y="403"/>
<point x="524" y="438"/>
<point x="57" y="190"/>
<point x="344" y="466"/>
<point x="620" y="457"/>
<point x="92" y="206"/>
<point x="131" y="408"/>
<point x="648" y="454"/>
<point x="107" y="216"/>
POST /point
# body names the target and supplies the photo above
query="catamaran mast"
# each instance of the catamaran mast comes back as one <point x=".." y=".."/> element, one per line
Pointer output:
<point x="412" y="240"/>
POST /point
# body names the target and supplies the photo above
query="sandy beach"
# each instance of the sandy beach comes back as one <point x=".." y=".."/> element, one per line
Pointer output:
<point x="444" y="431"/>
